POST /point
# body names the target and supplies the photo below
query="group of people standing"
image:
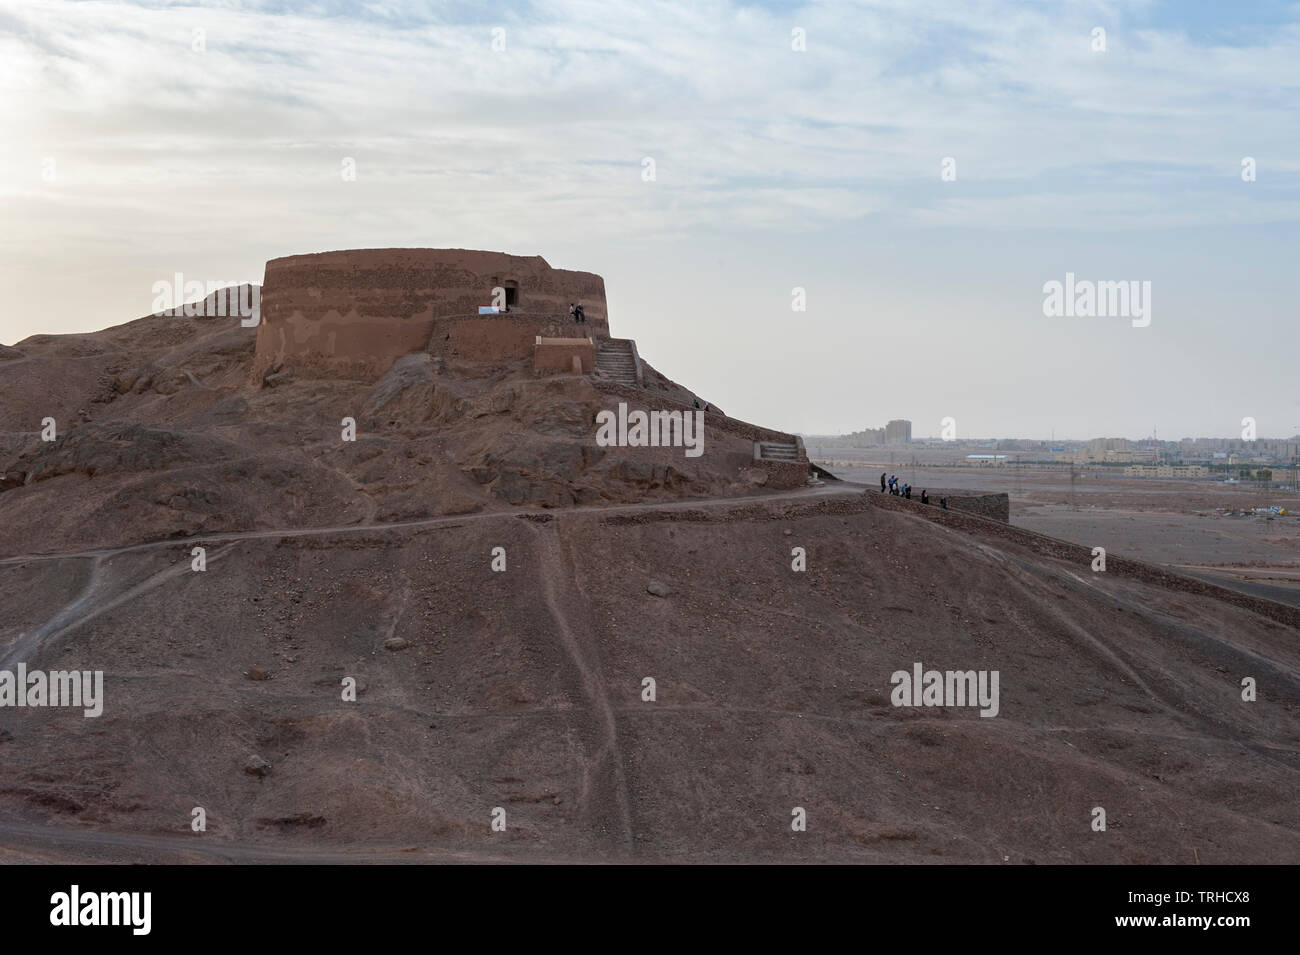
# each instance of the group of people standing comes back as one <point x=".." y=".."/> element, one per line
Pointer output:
<point x="894" y="486"/>
<point x="898" y="488"/>
<point x="576" y="313"/>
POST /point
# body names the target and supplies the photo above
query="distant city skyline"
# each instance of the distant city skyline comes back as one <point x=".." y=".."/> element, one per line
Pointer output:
<point x="1057" y="438"/>
<point x="1048" y="440"/>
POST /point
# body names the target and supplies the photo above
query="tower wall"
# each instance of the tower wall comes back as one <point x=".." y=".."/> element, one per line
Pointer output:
<point x="355" y="312"/>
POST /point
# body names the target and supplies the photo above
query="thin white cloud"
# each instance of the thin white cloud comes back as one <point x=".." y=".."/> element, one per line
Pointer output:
<point x="221" y="157"/>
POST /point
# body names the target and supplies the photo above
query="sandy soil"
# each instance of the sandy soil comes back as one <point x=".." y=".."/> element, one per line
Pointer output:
<point x="522" y="689"/>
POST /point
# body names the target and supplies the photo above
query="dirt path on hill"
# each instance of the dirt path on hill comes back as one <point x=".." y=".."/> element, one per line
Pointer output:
<point x="573" y="629"/>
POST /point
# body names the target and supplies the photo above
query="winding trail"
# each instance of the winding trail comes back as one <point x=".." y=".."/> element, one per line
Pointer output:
<point x="94" y="599"/>
<point x="22" y="840"/>
<point x="453" y="520"/>
<point x="555" y="573"/>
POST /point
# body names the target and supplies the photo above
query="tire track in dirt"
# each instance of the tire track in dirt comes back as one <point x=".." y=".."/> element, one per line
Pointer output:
<point x="445" y="520"/>
<point x="1174" y="705"/>
<point x="62" y="618"/>
<point x="41" y="843"/>
<point x="91" y="603"/>
<point x="554" y="574"/>
<point x="1018" y="574"/>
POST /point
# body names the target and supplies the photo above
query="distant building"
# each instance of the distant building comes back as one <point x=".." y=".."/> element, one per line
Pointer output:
<point x="1167" y="471"/>
<point x="898" y="431"/>
<point x="1109" y="449"/>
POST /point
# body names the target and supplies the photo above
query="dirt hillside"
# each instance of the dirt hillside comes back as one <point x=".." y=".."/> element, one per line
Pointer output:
<point x="523" y="688"/>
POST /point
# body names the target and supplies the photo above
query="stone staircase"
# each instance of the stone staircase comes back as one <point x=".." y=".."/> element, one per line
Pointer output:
<point x="615" y="361"/>
<point x="776" y="451"/>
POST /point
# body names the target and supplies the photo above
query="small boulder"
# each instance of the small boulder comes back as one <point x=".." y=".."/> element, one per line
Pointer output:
<point x="395" y="643"/>
<point x="257" y="673"/>
<point x="658" y="588"/>
<point x="257" y="766"/>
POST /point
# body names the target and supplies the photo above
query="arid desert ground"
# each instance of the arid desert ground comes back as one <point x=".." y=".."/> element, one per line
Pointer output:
<point x="521" y="688"/>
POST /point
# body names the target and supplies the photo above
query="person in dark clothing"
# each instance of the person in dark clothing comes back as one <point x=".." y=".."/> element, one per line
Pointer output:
<point x="582" y="316"/>
<point x="925" y="496"/>
<point x="907" y="492"/>
<point x="943" y="502"/>
<point x="882" y="482"/>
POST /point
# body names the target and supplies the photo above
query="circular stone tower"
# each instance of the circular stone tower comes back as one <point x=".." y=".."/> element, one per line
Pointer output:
<point x="353" y="313"/>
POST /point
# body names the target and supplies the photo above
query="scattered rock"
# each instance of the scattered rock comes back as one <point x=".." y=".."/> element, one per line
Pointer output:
<point x="787" y="533"/>
<point x="303" y="820"/>
<point x="257" y="673"/>
<point x="395" y="643"/>
<point x="6" y="736"/>
<point x="281" y="378"/>
<point x="658" y="588"/>
<point x="170" y="381"/>
<point x="257" y="766"/>
<point x="405" y="391"/>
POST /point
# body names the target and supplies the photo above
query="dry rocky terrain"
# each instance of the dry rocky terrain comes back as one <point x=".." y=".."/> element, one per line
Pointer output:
<point x="523" y="688"/>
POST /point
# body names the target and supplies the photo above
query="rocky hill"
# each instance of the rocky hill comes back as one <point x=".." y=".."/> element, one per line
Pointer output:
<point x="498" y="591"/>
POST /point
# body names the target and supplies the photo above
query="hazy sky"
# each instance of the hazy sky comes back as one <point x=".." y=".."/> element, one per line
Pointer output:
<point x="134" y="148"/>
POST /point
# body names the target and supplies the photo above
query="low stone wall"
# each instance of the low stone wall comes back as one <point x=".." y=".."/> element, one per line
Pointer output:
<point x="995" y="507"/>
<point x="488" y="339"/>
<point x="1040" y="544"/>
<point x="556" y="355"/>
<point x="783" y="475"/>
<point x="1081" y="555"/>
